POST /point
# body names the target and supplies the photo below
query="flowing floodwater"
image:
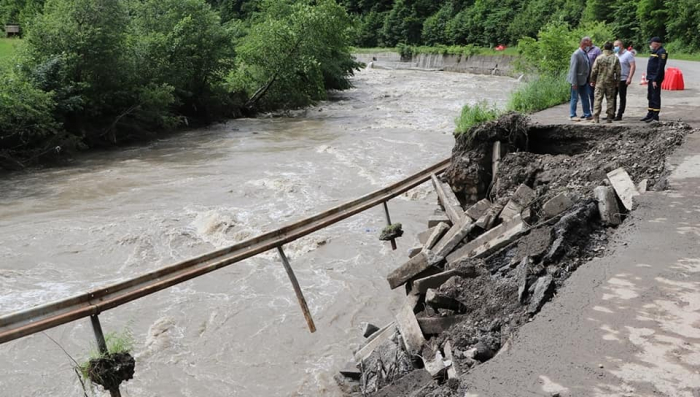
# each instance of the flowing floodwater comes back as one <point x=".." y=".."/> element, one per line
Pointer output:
<point x="237" y="331"/>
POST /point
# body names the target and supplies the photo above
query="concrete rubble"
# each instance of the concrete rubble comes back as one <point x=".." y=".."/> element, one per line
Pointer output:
<point x="495" y="261"/>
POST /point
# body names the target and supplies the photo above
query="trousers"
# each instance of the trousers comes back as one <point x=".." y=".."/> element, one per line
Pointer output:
<point x="622" y="97"/>
<point x="654" y="97"/>
<point x="609" y="93"/>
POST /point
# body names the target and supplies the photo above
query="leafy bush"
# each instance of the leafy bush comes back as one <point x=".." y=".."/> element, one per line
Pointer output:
<point x="472" y="115"/>
<point x="26" y="114"/>
<point x="542" y="92"/>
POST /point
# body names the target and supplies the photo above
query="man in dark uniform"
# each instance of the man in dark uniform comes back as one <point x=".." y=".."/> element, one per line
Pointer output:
<point x="656" y="69"/>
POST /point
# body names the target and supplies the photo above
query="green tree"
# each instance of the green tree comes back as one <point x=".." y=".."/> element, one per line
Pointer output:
<point x="295" y="51"/>
<point x="435" y="27"/>
<point x="86" y="40"/>
<point x="182" y="44"/>
<point x="684" y="25"/>
<point x="652" y="16"/>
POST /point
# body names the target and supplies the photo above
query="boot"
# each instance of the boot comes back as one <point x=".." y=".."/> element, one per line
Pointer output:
<point x="618" y="117"/>
<point x="648" y="117"/>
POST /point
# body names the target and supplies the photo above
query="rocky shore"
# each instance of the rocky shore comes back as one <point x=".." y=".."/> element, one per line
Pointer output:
<point x="521" y="207"/>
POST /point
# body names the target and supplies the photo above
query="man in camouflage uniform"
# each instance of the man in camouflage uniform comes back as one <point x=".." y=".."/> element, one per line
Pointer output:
<point x="605" y="77"/>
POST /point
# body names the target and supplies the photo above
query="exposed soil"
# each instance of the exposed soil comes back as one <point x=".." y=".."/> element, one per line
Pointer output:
<point x="511" y="285"/>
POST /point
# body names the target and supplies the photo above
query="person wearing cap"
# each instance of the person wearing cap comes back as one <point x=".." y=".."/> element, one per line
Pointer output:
<point x="656" y="69"/>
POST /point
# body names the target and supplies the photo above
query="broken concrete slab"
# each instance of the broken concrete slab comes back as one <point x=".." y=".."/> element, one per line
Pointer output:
<point x="351" y="371"/>
<point x="544" y="289"/>
<point x="440" y="301"/>
<point x="448" y="199"/>
<point x="478" y="210"/>
<point x="453" y="238"/>
<point x="368" y="329"/>
<point x="624" y="187"/>
<point x="410" y="330"/>
<point x="521" y="274"/>
<point x="643" y="186"/>
<point x="437" y="234"/>
<point x="435" y="366"/>
<point x="556" y="205"/>
<point x="607" y="205"/>
<point x="424" y="284"/>
<point x="409" y="270"/>
<point x="374" y="341"/>
<point x="425" y="234"/>
<point x="521" y="199"/>
<point x="452" y="370"/>
<point x="435" y="220"/>
<point x="488" y="220"/>
<point x="490" y="241"/>
<point x="415" y="250"/>
<point x="438" y="325"/>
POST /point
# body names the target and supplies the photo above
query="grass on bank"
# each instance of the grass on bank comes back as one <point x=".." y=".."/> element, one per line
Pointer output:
<point x="7" y="47"/>
<point x="117" y="342"/>
<point x="542" y="92"/>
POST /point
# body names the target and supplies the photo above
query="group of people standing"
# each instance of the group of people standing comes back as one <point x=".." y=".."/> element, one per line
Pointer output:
<point x="595" y="75"/>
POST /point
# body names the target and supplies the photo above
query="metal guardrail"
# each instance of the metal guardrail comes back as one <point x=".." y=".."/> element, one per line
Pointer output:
<point x="27" y="322"/>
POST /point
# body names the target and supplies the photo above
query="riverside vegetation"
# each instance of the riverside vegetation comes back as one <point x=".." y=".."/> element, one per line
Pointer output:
<point x="91" y="73"/>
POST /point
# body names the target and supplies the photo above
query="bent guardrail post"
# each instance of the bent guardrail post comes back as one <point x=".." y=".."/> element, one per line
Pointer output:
<point x="388" y="223"/>
<point x="297" y="290"/>
<point x="102" y="346"/>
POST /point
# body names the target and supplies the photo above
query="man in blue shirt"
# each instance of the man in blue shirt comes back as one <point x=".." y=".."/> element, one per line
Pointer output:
<point x="656" y="70"/>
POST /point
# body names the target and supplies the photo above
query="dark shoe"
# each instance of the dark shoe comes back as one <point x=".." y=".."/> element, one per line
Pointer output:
<point x="647" y="118"/>
<point x="589" y="118"/>
<point x="609" y="120"/>
<point x="618" y="118"/>
<point x="651" y="119"/>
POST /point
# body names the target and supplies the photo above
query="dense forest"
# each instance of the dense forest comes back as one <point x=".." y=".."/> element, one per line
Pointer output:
<point x="386" y="23"/>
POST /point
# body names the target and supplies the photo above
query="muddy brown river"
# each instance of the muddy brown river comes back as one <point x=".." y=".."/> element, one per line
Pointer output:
<point x="238" y="331"/>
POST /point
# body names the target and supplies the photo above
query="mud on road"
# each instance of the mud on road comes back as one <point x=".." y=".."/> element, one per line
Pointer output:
<point x="542" y="176"/>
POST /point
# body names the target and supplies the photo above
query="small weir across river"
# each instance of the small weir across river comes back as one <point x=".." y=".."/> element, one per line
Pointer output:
<point x="237" y="331"/>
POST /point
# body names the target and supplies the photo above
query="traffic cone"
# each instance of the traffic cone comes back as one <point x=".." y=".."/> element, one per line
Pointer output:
<point x="644" y="79"/>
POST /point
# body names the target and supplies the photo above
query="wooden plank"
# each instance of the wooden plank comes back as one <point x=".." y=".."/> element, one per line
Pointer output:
<point x="410" y="330"/>
<point x="490" y="241"/>
<point x="624" y="187"/>
<point x="449" y="200"/>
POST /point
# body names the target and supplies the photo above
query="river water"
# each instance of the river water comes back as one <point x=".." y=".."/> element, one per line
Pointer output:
<point x="238" y="331"/>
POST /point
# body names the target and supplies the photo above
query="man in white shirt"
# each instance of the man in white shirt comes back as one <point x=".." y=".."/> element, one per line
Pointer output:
<point x="628" y="68"/>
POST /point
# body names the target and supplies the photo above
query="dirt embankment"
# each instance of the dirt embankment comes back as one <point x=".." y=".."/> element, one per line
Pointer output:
<point x="521" y="207"/>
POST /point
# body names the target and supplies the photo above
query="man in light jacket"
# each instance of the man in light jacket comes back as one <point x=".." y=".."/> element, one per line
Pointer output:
<point x="579" y="71"/>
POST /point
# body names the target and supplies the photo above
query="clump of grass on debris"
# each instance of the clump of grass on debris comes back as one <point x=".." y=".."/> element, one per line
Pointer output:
<point x="475" y="114"/>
